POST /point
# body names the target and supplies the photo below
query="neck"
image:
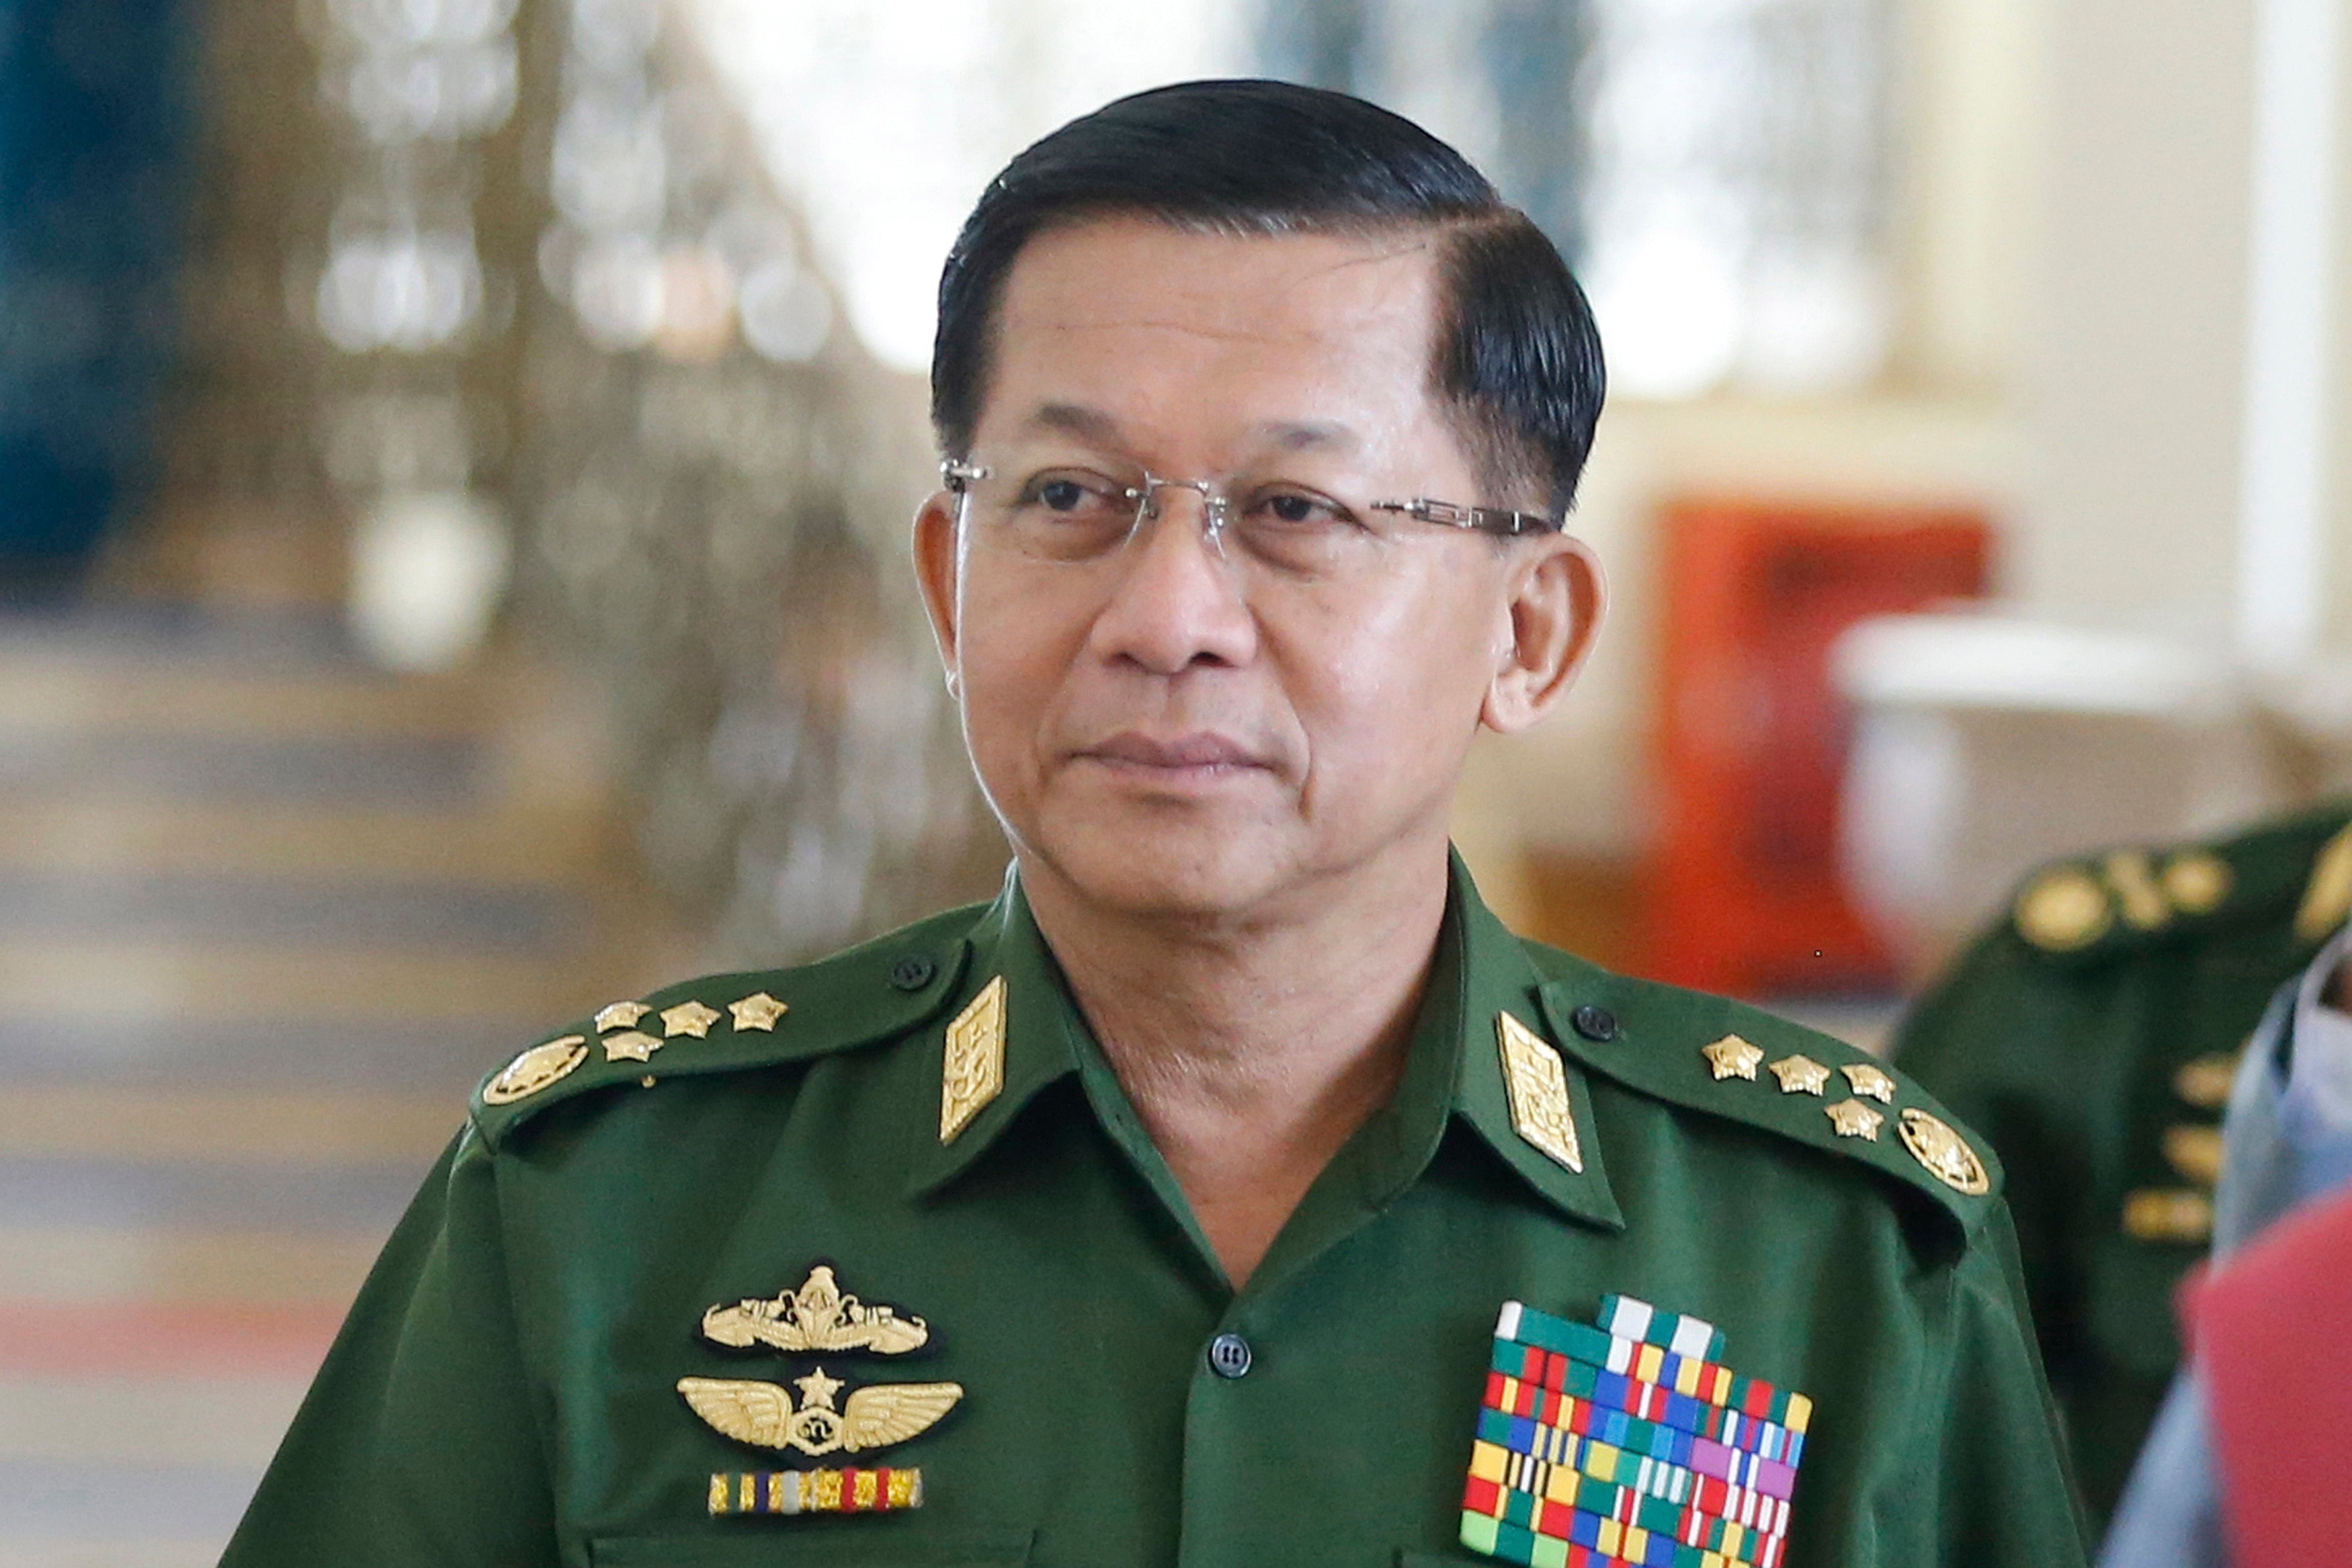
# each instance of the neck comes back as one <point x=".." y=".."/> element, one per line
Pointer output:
<point x="1253" y="1048"/>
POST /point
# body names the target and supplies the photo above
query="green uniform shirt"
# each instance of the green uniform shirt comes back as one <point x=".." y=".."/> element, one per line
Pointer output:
<point x="2090" y="1036"/>
<point x="505" y="1391"/>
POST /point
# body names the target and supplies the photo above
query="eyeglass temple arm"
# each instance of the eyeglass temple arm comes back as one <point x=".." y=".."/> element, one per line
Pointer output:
<point x="1486" y="520"/>
<point x="955" y="474"/>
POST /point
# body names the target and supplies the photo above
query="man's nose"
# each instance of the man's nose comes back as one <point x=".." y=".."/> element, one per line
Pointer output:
<point x="1179" y="598"/>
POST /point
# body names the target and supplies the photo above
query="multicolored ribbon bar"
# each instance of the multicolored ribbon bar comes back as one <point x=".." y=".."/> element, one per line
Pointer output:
<point x="815" y="1491"/>
<point x="1629" y="1445"/>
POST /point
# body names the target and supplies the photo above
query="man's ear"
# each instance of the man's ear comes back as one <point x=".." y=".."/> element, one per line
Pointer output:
<point x="938" y="569"/>
<point x="1556" y="596"/>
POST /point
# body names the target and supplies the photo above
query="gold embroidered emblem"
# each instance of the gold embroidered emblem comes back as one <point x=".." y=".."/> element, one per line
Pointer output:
<point x="1853" y="1119"/>
<point x="1538" y="1086"/>
<point x="974" y="1071"/>
<point x="631" y="1046"/>
<point x="688" y="1018"/>
<point x="1944" y="1153"/>
<point x="2327" y="896"/>
<point x="2205" y="1082"/>
<point x="1732" y="1057"/>
<point x="535" y="1068"/>
<point x="2178" y="1214"/>
<point x="817" y="1317"/>
<point x="2064" y="909"/>
<point x="2134" y="880"/>
<point x="2194" y="1152"/>
<point x="2197" y="882"/>
<point x="619" y="1015"/>
<point x="1870" y="1082"/>
<point x="763" y="1415"/>
<point x="1800" y="1075"/>
<point x="759" y="1010"/>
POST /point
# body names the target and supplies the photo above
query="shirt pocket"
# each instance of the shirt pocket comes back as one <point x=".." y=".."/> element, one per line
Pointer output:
<point x="756" y="1547"/>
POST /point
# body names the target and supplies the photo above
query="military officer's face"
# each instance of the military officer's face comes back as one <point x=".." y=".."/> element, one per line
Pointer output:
<point x="1180" y="719"/>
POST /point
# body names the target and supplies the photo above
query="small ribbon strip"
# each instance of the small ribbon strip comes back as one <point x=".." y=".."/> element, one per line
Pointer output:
<point x="815" y="1491"/>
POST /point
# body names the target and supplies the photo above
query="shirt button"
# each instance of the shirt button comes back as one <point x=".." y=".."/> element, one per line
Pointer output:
<point x="912" y="973"/>
<point x="1229" y="1355"/>
<point x="1594" y="1023"/>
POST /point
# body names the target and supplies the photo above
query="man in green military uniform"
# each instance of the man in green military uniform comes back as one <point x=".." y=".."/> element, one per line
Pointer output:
<point x="1234" y="1188"/>
<point x="2091" y="1035"/>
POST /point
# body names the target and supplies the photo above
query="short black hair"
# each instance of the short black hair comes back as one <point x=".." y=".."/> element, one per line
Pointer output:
<point x="1518" y="356"/>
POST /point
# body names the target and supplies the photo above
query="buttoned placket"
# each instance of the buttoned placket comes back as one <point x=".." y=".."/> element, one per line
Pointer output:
<point x="1242" y="1385"/>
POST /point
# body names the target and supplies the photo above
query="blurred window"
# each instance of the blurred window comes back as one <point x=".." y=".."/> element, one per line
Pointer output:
<point x="1738" y="193"/>
<point x="1719" y="168"/>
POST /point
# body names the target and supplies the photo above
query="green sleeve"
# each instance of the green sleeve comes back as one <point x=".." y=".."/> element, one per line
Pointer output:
<point x="421" y="1441"/>
<point x="1998" y="1041"/>
<point x="2007" y="1497"/>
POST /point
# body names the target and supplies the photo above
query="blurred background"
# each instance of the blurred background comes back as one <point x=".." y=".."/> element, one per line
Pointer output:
<point x="455" y="466"/>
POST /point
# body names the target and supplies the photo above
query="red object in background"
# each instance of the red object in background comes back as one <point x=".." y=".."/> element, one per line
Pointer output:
<point x="1741" y="891"/>
<point x="2269" y="1325"/>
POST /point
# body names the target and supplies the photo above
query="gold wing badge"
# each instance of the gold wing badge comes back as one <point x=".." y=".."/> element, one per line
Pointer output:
<point x="762" y="1413"/>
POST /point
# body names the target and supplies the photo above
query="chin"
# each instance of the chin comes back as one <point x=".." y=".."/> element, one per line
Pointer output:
<point x="1203" y="873"/>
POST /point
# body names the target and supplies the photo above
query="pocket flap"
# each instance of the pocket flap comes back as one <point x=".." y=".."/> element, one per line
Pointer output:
<point x="793" y="1543"/>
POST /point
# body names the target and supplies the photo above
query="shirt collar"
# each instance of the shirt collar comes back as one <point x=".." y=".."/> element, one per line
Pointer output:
<point x="1042" y="1029"/>
<point x="2316" y="1103"/>
<point x="1455" y="1071"/>
<point x="1499" y="979"/>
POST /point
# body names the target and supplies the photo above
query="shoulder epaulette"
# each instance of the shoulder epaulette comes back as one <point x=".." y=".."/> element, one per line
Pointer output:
<point x="2296" y="872"/>
<point x="1722" y="1058"/>
<point x="727" y="1023"/>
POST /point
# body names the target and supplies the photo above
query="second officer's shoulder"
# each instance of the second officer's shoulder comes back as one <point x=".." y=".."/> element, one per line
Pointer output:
<point x="1725" y="1060"/>
<point x="2291" y="873"/>
<point x="734" y="1022"/>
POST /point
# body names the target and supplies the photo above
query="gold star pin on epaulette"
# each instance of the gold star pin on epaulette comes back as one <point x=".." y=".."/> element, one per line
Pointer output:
<point x="632" y="1045"/>
<point x="1800" y="1075"/>
<point x="759" y="1010"/>
<point x="619" y="1015"/>
<point x="688" y="1018"/>
<point x="1732" y="1057"/>
<point x="1853" y="1119"/>
<point x="1870" y="1082"/>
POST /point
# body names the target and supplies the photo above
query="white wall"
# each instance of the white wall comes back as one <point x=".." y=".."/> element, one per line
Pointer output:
<point x="2134" y="373"/>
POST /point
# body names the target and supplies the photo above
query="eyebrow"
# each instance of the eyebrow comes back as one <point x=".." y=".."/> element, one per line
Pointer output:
<point x="1096" y="428"/>
<point x="1088" y="424"/>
